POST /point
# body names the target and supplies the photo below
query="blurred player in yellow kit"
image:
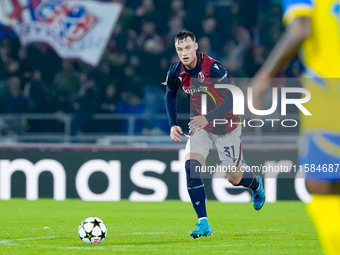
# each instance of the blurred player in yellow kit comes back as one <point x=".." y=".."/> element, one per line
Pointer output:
<point x="313" y="27"/>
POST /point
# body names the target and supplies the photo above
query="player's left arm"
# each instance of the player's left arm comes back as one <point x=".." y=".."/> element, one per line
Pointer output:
<point x="217" y="72"/>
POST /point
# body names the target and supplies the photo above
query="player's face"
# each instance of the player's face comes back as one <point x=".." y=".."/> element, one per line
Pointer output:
<point x="186" y="51"/>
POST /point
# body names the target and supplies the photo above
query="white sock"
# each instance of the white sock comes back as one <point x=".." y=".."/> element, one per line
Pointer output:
<point x="199" y="220"/>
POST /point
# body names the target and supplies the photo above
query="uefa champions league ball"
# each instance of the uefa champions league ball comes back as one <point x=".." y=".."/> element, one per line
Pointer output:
<point x="92" y="230"/>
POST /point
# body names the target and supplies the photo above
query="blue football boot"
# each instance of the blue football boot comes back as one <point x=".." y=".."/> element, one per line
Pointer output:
<point x="203" y="229"/>
<point x="258" y="195"/>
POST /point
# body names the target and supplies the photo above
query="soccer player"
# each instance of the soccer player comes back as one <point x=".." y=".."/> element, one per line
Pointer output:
<point x="313" y="27"/>
<point x="193" y="74"/>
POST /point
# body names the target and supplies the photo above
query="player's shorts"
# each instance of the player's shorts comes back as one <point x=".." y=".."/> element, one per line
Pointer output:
<point x="320" y="155"/>
<point x="229" y="146"/>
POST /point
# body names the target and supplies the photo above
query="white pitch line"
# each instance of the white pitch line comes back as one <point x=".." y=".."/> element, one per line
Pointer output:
<point x="11" y="242"/>
<point x="25" y="239"/>
<point x="73" y="248"/>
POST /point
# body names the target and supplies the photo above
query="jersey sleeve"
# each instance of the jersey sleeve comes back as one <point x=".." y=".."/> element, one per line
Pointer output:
<point x="296" y="8"/>
<point x="218" y="72"/>
<point x="172" y="81"/>
<point x="170" y="106"/>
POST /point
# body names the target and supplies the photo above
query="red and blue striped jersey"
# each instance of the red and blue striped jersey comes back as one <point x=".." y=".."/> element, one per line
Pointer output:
<point x="200" y="81"/>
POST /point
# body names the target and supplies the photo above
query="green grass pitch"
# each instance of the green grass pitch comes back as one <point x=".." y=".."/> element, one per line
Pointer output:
<point x="155" y="228"/>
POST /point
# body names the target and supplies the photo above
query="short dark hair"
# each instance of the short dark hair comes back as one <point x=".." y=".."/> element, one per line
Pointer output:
<point x="183" y="35"/>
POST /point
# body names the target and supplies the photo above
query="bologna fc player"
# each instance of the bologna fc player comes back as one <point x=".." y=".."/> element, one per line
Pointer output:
<point x="195" y="74"/>
<point x="314" y="29"/>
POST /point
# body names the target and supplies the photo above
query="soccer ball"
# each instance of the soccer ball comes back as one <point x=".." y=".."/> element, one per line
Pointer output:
<point x="92" y="230"/>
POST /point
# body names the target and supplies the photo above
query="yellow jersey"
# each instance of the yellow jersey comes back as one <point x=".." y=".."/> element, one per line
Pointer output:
<point x="320" y="54"/>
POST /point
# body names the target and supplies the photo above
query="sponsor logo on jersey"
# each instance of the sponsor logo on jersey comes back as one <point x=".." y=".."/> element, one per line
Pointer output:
<point x="191" y="91"/>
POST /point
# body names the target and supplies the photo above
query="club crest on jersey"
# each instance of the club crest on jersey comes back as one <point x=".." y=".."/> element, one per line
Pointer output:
<point x="200" y="77"/>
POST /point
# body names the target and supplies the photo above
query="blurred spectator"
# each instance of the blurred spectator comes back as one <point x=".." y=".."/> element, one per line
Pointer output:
<point x="151" y="74"/>
<point x="230" y="13"/>
<point x="130" y="43"/>
<point x="25" y="68"/>
<point x="85" y="105"/>
<point x="175" y="25"/>
<point x="124" y="33"/>
<point x="147" y="11"/>
<point x="209" y="30"/>
<point x="46" y="60"/>
<point x="15" y="102"/>
<point x="126" y="19"/>
<point x="272" y="26"/>
<point x="115" y="57"/>
<point x="3" y="63"/>
<point x="235" y="52"/>
<point x="194" y="14"/>
<point x="102" y="74"/>
<point x="204" y="46"/>
<point x="131" y="103"/>
<point x="209" y="10"/>
<point x="108" y="102"/>
<point x="10" y="48"/>
<point x="255" y="58"/>
<point x="66" y="80"/>
<point x="148" y="32"/>
<point x="4" y="90"/>
<point x="177" y="9"/>
<point x="131" y="80"/>
<point x="61" y="103"/>
<point x="37" y="92"/>
<point x="231" y="63"/>
<point x="9" y="66"/>
<point x="247" y="13"/>
<point x="13" y="68"/>
<point x="4" y="52"/>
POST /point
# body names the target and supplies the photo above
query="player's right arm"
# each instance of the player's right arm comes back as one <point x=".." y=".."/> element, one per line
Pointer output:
<point x="297" y="17"/>
<point x="170" y="104"/>
<point x="172" y="82"/>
